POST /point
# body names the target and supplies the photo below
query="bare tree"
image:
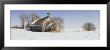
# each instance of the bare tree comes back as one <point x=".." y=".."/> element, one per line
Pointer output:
<point x="89" y="27"/>
<point x="34" y="16"/>
<point x="57" y="24"/>
<point x="27" y="23"/>
<point x="22" y="21"/>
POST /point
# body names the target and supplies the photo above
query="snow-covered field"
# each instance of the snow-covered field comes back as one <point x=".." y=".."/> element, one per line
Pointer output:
<point x="21" y="34"/>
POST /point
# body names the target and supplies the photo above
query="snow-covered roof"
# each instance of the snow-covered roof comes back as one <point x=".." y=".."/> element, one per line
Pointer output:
<point x="34" y="21"/>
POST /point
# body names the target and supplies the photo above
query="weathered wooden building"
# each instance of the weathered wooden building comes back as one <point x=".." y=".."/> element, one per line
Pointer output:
<point x="46" y="24"/>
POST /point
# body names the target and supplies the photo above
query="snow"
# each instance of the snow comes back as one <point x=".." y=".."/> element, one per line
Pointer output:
<point x="67" y="34"/>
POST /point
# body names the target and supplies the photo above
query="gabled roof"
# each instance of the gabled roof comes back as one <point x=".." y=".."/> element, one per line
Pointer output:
<point x="34" y="21"/>
<point x="40" y="21"/>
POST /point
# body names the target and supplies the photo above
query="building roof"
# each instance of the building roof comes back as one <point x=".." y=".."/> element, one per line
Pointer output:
<point x="34" y="21"/>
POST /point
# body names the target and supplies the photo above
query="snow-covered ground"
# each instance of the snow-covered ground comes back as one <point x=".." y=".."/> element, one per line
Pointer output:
<point x="21" y="34"/>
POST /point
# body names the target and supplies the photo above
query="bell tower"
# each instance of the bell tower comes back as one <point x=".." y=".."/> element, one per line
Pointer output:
<point x="48" y="14"/>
